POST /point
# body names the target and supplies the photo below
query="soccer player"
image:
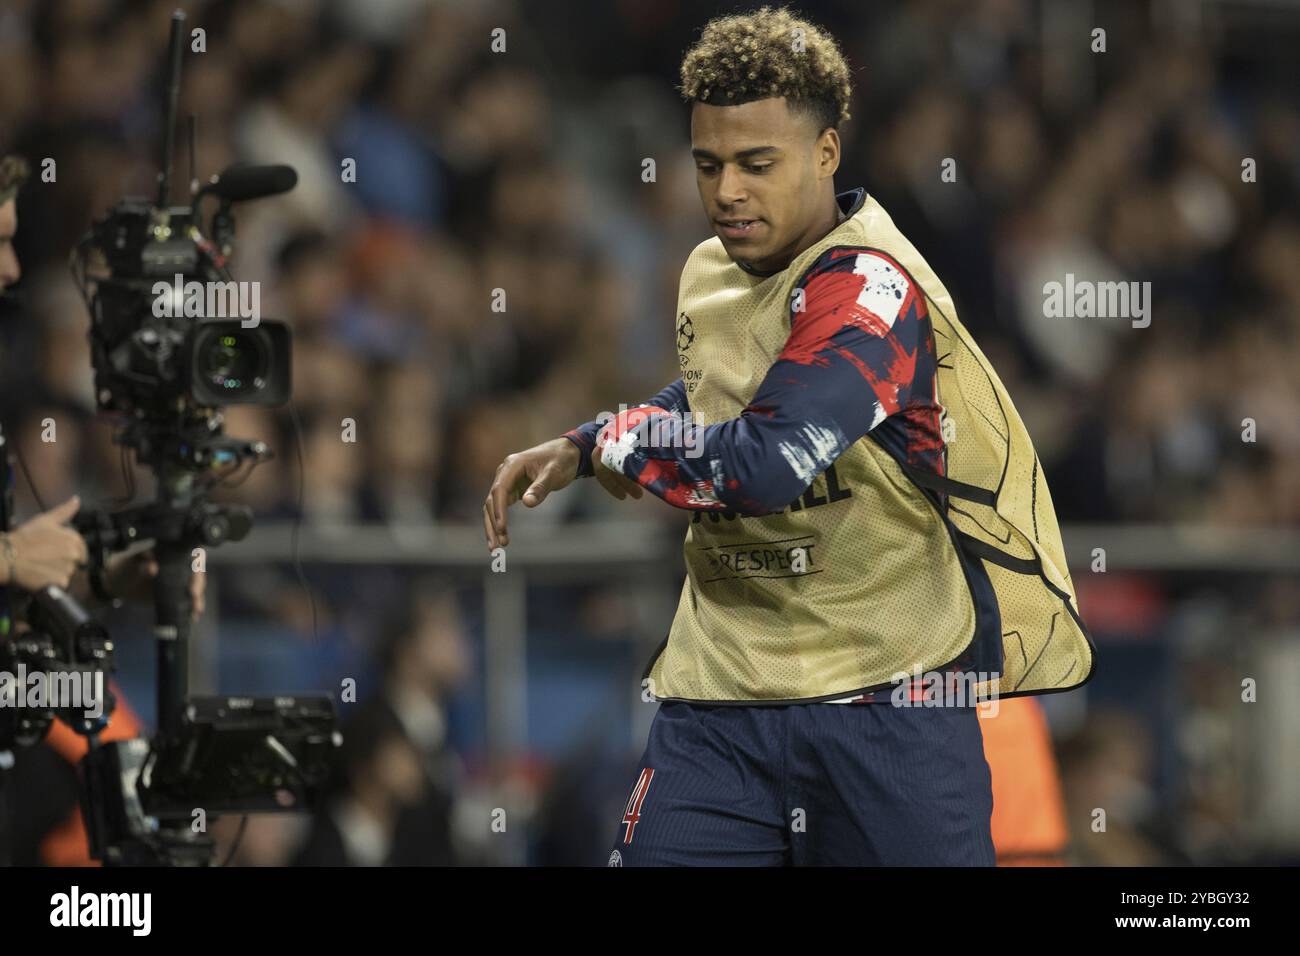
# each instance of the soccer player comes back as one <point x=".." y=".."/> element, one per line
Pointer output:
<point x="872" y="547"/>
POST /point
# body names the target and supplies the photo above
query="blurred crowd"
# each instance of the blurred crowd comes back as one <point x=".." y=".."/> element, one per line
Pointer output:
<point x="497" y="270"/>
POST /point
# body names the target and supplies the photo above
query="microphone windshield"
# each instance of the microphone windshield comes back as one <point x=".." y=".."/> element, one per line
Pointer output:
<point x="239" y="183"/>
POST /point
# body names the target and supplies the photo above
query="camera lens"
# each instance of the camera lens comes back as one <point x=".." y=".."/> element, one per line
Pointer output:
<point x="229" y="364"/>
<point x="233" y="362"/>
<point x="222" y="359"/>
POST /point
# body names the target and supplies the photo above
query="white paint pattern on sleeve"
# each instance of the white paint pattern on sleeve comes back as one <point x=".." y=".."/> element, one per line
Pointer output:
<point x="814" y="449"/>
<point x="884" y="291"/>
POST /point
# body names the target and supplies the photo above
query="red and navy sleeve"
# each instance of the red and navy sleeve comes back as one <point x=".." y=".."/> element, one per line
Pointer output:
<point x="671" y="398"/>
<point x="860" y="356"/>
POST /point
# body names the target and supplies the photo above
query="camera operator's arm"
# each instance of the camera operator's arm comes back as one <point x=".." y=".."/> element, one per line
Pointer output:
<point x="43" y="550"/>
<point x="131" y="576"/>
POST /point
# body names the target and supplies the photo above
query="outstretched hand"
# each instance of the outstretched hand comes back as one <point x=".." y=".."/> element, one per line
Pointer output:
<point x="527" y="476"/>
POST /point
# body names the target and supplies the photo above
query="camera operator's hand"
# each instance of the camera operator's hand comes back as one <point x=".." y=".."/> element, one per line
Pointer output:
<point x="132" y="576"/>
<point x="43" y="550"/>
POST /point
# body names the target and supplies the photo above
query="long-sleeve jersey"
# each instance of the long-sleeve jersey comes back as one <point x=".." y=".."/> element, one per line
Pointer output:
<point x="860" y="358"/>
<point x="847" y="530"/>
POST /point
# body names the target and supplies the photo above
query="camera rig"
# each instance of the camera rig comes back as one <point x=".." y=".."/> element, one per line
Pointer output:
<point x="164" y="373"/>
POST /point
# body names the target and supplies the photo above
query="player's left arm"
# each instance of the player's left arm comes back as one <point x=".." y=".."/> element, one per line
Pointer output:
<point x="847" y="365"/>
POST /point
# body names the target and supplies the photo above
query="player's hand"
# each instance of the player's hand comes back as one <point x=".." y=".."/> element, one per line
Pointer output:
<point x="615" y="482"/>
<point x="132" y="576"/>
<point x="45" y="550"/>
<point x="528" y="476"/>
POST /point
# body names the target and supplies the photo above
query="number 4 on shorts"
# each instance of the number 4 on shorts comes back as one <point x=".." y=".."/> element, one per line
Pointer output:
<point x="632" y="813"/>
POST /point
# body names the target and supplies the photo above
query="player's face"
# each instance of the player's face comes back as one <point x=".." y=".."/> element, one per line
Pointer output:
<point x="761" y="171"/>
<point x="9" y="269"/>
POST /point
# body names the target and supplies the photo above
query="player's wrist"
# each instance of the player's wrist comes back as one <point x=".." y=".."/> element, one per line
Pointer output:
<point x="573" y="447"/>
<point x="624" y="422"/>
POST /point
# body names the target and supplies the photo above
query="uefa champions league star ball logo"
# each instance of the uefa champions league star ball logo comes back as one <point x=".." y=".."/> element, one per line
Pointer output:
<point x="685" y="332"/>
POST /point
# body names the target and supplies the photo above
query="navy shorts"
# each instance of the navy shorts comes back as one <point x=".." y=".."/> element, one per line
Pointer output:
<point x="809" y="785"/>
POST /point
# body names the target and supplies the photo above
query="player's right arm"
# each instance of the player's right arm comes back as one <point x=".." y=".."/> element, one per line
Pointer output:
<point x="531" y="475"/>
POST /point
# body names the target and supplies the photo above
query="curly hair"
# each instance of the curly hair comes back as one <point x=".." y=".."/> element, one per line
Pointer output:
<point x="13" y="173"/>
<point x="754" y="56"/>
